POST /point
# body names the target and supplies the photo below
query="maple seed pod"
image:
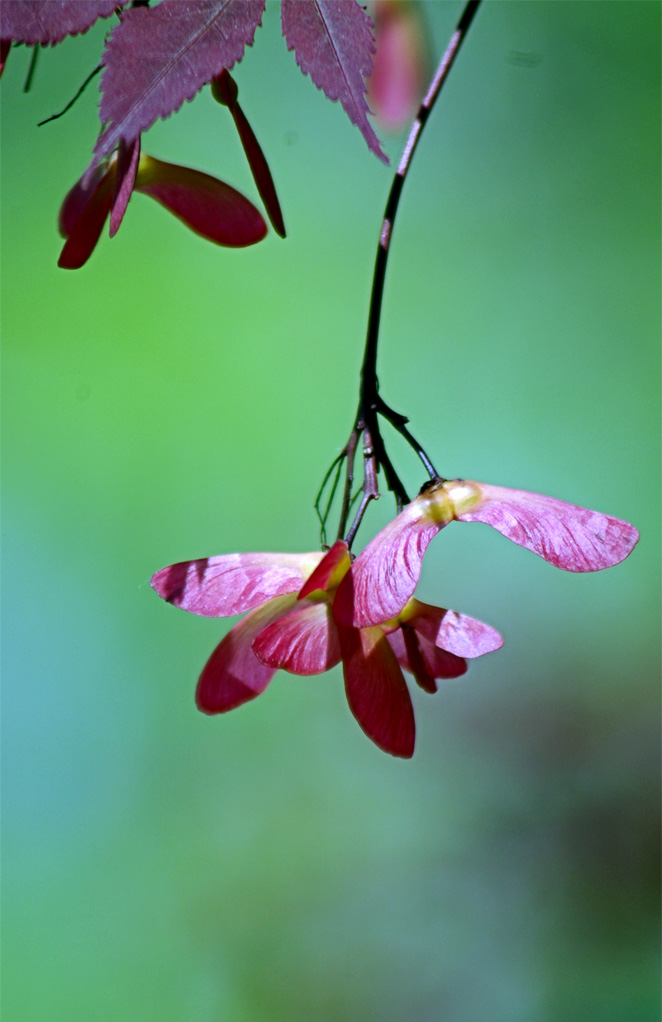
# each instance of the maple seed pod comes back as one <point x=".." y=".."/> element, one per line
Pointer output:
<point x="224" y="89"/>
<point x="463" y="495"/>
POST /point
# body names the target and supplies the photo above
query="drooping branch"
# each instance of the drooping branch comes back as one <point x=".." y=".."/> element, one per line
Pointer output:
<point x="369" y="383"/>
<point x="371" y="405"/>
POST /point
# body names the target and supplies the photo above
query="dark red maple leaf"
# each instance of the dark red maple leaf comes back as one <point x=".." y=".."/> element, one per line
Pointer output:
<point x="159" y="57"/>
<point x="49" y="21"/>
<point x="334" y="43"/>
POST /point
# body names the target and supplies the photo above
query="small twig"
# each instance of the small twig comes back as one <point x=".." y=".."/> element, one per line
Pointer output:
<point x="323" y="516"/>
<point x="365" y="500"/>
<point x="355" y="497"/>
<point x="392" y="478"/>
<point x="370" y="486"/>
<point x="31" y="70"/>
<point x="350" y="454"/>
<point x="71" y="102"/>
<point x="398" y="421"/>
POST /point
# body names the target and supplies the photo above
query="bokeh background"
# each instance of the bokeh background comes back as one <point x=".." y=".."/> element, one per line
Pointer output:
<point x="174" y="400"/>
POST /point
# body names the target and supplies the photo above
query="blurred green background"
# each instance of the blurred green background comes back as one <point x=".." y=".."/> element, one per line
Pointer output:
<point x="174" y="400"/>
